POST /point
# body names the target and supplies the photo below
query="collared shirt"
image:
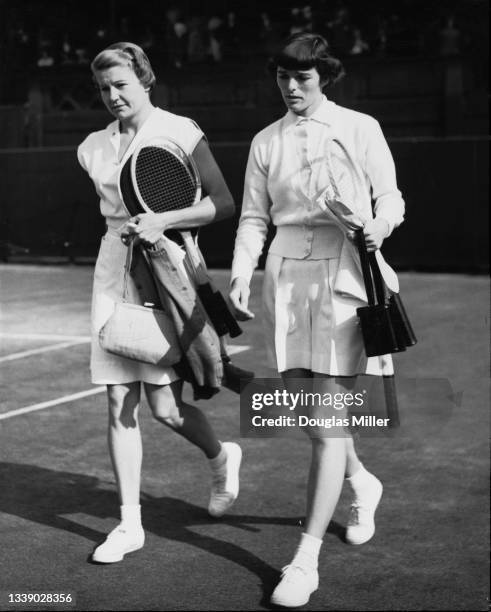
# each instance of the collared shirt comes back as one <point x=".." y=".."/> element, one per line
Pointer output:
<point x="286" y="172"/>
<point x="98" y="155"/>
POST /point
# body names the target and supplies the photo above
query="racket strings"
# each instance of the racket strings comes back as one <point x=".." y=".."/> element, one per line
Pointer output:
<point x="342" y="176"/>
<point x="163" y="180"/>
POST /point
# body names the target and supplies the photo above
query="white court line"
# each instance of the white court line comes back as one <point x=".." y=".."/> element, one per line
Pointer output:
<point x="61" y="400"/>
<point x="43" y="349"/>
<point x="42" y="337"/>
<point x="233" y="349"/>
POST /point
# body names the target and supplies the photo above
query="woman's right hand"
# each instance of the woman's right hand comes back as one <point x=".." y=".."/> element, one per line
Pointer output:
<point x="128" y="233"/>
<point x="239" y="298"/>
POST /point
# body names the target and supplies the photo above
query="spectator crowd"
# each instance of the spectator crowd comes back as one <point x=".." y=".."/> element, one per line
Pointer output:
<point x="177" y="37"/>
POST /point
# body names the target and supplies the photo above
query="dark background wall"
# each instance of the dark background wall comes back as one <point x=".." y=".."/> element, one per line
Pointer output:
<point x="424" y="75"/>
<point x="51" y="208"/>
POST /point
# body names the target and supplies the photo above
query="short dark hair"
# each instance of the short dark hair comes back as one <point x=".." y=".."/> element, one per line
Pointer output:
<point x="304" y="51"/>
<point x="126" y="54"/>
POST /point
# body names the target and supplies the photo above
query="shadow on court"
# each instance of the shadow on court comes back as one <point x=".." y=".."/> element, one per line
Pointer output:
<point x="44" y="496"/>
<point x="58" y="499"/>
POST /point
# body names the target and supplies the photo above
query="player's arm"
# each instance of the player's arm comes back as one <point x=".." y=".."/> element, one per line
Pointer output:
<point x="375" y="232"/>
<point x="252" y="230"/>
<point x="239" y="297"/>
<point x="218" y="204"/>
<point x="389" y="205"/>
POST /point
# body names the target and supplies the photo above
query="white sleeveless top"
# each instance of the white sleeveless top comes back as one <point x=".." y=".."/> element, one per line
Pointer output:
<point x="98" y="155"/>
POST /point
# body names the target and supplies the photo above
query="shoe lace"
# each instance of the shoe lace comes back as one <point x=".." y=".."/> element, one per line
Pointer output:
<point x="291" y="571"/>
<point x="354" y="514"/>
<point x="116" y="534"/>
<point x="219" y="480"/>
<point x="358" y="514"/>
<point x="120" y="532"/>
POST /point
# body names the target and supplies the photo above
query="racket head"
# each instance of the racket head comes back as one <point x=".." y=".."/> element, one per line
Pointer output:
<point x="162" y="177"/>
<point x="347" y="190"/>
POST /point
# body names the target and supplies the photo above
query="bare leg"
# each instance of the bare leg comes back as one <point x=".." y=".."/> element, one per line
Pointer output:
<point x="190" y="422"/>
<point x="124" y="439"/>
<point x="125" y="448"/>
<point x="331" y="448"/>
<point x="328" y="463"/>
<point x="332" y="455"/>
<point x="353" y="464"/>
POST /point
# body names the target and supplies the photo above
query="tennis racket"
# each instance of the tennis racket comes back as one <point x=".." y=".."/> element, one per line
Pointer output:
<point x="160" y="177"/>
<point x="346" y="186"/>
<point x="345" y="193"/>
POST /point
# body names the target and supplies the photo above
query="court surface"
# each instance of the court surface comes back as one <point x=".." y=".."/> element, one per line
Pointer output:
<point x="58" y="499"/>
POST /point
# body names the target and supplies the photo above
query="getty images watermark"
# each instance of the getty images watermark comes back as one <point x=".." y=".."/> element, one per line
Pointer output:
<point x="269" y="408"/>
<point x="306" y="404"/>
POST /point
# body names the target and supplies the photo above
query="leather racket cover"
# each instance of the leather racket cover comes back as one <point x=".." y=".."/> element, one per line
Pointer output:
<point x="130" y="200"/>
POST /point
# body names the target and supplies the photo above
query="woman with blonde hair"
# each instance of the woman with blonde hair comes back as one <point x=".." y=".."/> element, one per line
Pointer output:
<point x="125" y="78"/>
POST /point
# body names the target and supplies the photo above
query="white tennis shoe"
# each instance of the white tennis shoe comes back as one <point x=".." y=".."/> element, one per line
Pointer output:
<point x="361" y="524"/>
<point x="118" y="543"/>
<point x="295" y="587"/>
<point x="225" y="483"/>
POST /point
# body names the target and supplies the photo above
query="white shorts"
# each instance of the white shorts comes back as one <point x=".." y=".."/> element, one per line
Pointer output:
<point x="105" y="367"/>
<point x="307" y="324"/>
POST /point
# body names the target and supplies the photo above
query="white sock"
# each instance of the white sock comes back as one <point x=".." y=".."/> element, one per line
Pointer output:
<point x="307" y="553"/>
<point x="218" y="463"/>
<point x="359" y="466"/>
<point x="131" y="516"/>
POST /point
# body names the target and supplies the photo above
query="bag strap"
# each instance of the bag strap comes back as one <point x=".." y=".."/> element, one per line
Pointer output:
<point x="365" y="266"/>
<point x="380" y="286"/>
<point x="371" y="272"/>
<point x="127" y="270"/>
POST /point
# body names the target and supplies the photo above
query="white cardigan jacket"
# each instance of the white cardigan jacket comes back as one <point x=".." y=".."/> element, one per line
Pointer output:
<point x="273" y="192"/>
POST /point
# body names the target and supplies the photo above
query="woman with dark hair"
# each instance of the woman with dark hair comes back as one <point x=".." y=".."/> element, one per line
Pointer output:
<point x="125" y="78"/>
<point x="312" y="281"/>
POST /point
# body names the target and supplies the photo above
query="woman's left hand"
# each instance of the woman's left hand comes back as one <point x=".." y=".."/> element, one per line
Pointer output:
<point x="375" y="231"/>
<point x="149" y="227"/>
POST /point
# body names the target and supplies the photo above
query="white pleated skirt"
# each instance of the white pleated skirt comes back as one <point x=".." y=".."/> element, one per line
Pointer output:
<point x="308" y="325"/>
<point x="105" y="367"/>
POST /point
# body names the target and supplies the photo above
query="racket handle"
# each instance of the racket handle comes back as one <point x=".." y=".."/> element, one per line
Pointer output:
<point x="390" y="393"/>
<point x="208" y="299"/>
<point x="234" y="377"/>
<point x="228" y="319"/>
<point x="217" y="309"/>
<point x="213" y="301"/>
